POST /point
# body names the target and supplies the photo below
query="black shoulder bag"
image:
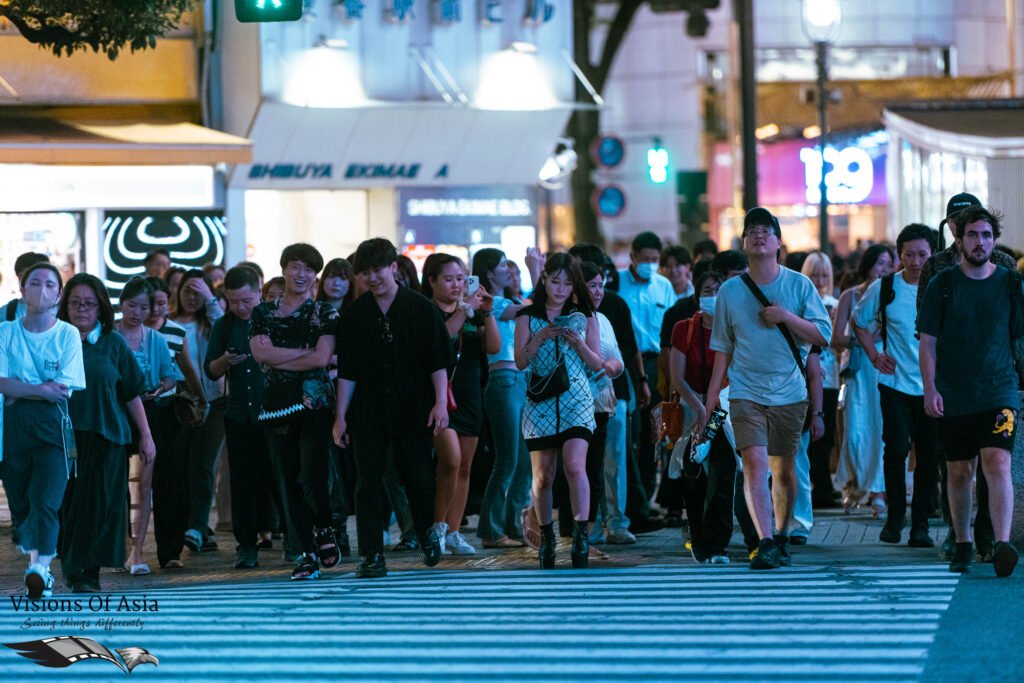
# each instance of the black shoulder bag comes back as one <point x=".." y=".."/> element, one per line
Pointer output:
<point x="555" y="383"/>
<point x="794" y="349"/>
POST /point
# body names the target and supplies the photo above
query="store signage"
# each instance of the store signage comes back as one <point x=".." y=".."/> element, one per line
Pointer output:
<point x="849" y="182"/>
<point x="490" y="12"/>
<point x="352" y="10"/>
<point x="398" y="11"/>
<point x="447" y="12"/>
<point x="468" y="208"/>
<point x="382" y="171"/>
<point x="291" y="171"/>
<point x="539" y="12"/>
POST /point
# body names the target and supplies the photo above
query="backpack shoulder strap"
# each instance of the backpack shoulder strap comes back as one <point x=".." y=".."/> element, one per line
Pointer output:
<point x="759" y="295"/>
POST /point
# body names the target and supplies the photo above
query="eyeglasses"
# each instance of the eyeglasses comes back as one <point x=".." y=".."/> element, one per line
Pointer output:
<point x="758" y="231"/>
<point x="82" y="304"/>
<point x="385" y="333"/>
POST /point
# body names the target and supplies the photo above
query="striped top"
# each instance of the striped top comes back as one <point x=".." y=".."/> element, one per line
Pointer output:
<point x="175" y="336"/>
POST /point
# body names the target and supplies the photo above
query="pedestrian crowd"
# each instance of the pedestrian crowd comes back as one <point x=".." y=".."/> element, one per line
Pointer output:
<point x="711" y="391"/>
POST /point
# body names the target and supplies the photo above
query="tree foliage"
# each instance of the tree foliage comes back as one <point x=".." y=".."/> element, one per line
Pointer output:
<point x="108" y="26"/>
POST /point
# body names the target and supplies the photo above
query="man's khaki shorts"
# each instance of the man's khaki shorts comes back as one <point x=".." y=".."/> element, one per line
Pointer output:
<point x="777" y="427"/>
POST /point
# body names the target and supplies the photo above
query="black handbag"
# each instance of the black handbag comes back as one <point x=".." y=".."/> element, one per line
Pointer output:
<point x="555" y="383"/>
<point x="281" y="402"/>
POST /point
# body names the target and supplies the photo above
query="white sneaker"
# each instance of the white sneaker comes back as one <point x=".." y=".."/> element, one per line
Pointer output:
<point x="456" y="544"/>
<point x="441" y="529"/>
<point x="621" y="537"/>
<point x="718" y="559"/>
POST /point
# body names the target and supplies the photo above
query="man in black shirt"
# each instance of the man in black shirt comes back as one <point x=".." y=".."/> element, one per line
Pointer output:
<point x="393" y="358"/>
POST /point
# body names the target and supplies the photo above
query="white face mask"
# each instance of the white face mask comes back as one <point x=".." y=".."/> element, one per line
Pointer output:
<point x="646" y="270"/>
<point x="707" y="304"/>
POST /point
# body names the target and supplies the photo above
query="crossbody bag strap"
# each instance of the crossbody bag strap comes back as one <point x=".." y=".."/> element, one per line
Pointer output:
<point x="763" y="300"/>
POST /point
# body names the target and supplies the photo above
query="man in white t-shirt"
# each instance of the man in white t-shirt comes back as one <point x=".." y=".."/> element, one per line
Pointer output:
<point x="890" y="306"/>
<point x="767" y="389"/>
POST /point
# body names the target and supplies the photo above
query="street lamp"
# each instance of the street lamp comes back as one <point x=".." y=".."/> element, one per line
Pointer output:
<point x="820" y="22"/>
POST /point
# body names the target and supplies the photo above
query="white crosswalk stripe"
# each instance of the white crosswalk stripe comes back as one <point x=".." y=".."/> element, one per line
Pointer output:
<point x="655" y="623"/>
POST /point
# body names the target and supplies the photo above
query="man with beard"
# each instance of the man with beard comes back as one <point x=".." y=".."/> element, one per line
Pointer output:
<point x="969" y="319"/>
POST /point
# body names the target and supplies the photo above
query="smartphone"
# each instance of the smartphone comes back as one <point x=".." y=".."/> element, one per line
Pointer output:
<point x="561" y="321"/>
<point x="235" y="351"/>
<point x="472" y="284"/>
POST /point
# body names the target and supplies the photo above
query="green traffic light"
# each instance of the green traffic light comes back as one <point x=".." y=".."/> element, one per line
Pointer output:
<point x="268" y="10"/>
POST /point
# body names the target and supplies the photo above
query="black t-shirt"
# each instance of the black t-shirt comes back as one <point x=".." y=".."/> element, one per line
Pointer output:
<point x="974" y="368"/>
<point x="615" y="308"/>
<point x="391" y="358"/>
<point x="684" y="309"/>
<point x="467" y="351"/>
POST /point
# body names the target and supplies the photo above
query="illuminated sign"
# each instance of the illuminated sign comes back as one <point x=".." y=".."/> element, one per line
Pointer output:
<point x="291" y="171"/>
<point x="849" y="182"/>
<point x="466" y="208"/>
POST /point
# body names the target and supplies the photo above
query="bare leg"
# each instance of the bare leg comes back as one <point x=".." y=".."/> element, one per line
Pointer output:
<point x="755" y="488"/>
<point x="783" y="490"/>
<point x="960" y="477"/>
<point x="574" y="464"/>
<point x="995" y="466"/>
<point x="467" y="448"/>
<point x="446" y="444"/>
<point x="143" y="494"/>
<point x="543" y="479"/>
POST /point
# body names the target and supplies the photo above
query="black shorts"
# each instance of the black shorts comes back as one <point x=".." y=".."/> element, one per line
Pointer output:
<point x="962" y="437"/>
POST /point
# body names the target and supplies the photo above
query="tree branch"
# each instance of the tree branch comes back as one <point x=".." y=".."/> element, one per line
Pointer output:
<point x="49" y="35"/>
<point x="616" y="34"/>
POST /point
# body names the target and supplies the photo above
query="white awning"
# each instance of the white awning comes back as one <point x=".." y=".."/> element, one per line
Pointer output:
<point x="52" y="141"/>
<point x="397" y="145"/>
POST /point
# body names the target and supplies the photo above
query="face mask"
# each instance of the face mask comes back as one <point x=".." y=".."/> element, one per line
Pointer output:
<point x="646" y="270"/>
<point x="707" y="304"/>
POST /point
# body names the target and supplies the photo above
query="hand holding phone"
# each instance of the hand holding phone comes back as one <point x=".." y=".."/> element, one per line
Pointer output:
<point x="472" y="284"/>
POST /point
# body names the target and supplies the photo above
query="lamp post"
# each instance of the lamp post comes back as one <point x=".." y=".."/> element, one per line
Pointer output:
<point x="820" y="23"/>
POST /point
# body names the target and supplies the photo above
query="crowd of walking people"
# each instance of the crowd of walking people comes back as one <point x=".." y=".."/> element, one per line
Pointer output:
<point x="740" y="389"/>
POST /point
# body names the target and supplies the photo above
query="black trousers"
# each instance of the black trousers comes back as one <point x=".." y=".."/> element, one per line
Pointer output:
<point x="709" y="497"/>
<point x="821" y="450"/>
<point x="904" y="422"/>
<point x="415" y="463"/>
<point x="251" y="479"/>
<point x="646" y="455"/>
<point x="170" y="485"/>
<point x="299" y="454"/>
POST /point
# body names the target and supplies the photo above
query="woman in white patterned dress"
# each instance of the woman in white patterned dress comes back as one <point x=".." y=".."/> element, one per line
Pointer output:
<point x="558" y="339"/>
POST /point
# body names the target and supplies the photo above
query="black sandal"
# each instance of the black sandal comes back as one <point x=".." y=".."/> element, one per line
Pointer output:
<point x="307" y="568"/>
<point x="327" y="548"/>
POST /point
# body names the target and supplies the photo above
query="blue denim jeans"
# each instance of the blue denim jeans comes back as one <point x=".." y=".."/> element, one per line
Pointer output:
<point x="508" y="488"/>
<point x="803" y="514"/>
<point x="614" y="508"/>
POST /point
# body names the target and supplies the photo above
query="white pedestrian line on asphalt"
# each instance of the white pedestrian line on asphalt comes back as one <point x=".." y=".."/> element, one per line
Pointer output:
<point x="650" y="624"/>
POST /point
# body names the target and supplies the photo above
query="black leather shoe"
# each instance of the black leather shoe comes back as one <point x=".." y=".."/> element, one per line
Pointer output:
<point x="919" y="538"/>
<point x="962" y="555"/>
<point x="890" y="533"/>
<point x="430" y="548"/>
<point x="546" y="553"/>
<point x="372" y="567"/>
<point x="580" y="552"/>
<point x="948" y="545"/>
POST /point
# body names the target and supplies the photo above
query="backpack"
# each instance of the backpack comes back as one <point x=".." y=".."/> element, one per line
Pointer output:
<point x="944" y="280"/>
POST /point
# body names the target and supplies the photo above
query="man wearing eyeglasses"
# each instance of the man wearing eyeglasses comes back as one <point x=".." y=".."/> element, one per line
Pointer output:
<point x="768" y="389"/>
<point x="393" y="358"/>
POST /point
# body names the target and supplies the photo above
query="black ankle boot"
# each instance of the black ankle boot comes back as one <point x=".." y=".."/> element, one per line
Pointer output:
<point x="547" y="546"/>
<point x="580" y="545"/>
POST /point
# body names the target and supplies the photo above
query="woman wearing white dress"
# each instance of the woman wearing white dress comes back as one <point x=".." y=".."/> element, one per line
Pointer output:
<point x="558" y="338"/>
<point x="860" y="471"/>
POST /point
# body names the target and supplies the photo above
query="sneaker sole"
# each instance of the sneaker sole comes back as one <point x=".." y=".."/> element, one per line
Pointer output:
<point x="1005" y="559"/>
<point x="314" y="575"/>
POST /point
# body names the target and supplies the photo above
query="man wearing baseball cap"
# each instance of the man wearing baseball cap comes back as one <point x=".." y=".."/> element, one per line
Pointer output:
<point x="948" y="258"/>
<point x="767" y="390"/>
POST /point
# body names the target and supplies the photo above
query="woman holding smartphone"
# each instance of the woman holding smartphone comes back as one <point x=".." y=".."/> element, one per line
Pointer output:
<point x="558" y="337"/>
<point x="474" y="334"/>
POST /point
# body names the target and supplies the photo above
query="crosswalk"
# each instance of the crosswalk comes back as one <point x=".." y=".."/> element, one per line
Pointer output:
<point x="648" y="624"/>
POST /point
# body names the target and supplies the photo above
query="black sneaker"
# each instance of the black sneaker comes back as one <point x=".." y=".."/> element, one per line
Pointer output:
<point x="372" y="567"/>
<point x="767" y="556"/>
<point x="248" y="558"/>
<point x="919" y="537"/>
<point x="890" y="533"/>
<point x="962" y="555"/>
<point x="430" y="548"/>
<point x="948" y="545"/>
<point x="782" y="543"/>
<point x="1004" y="558"/>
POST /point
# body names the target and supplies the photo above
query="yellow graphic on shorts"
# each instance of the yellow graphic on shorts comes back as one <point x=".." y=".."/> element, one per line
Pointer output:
<point x="1004" y="423"/>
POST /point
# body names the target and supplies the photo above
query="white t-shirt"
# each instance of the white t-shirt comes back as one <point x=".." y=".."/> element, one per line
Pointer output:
<point x="903" y="346"/>
<point x="601" y="386"/>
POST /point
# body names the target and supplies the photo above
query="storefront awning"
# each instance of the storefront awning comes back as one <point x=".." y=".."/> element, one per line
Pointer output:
<point x="51" y="141"/>
<point x="978" y="128"/>
<point x="398" y="145"/>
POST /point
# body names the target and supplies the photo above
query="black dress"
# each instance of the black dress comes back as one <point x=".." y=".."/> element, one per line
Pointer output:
<point x="467" y="351"/>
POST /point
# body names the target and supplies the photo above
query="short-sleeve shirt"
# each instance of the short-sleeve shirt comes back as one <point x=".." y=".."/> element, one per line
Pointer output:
<point x="38" y="357"/>
<point x="902" y="345"/>
<point x="245" y="380"/>
<point x="112" y="379"/>
<point x="763" y="369"/>
<point x="301" y="329"/>
<point x="648" y="302"/>
<point x="390" y="358"/>
<point x="507" y="330"/>
<point x="974" y="367"/>
<point x="696" y="346"/>
<point x="154" y="360"/>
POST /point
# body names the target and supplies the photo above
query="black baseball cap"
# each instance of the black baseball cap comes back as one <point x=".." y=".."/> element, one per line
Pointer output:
<point x="959" y="202"/>
<point x="761" y="216"/>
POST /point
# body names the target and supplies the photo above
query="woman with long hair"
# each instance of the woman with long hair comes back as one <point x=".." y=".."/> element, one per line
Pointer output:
<point x="196" y="311"/>
<point x="94" y="515"/>
<point x="40" y="368"/>
<point x="508" y="488"/>
<point x="860" y="472"/>
<point x="336" y="285"/>
<point x="471" y="326"/>
<point x="557" y="337"/>
<point x="153" y="357"/>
